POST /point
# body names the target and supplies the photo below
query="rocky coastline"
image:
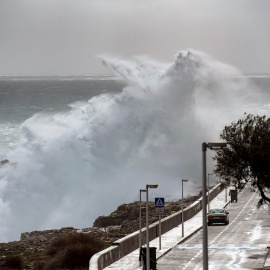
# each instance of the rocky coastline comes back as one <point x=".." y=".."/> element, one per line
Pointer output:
<point x="118" y="224"/>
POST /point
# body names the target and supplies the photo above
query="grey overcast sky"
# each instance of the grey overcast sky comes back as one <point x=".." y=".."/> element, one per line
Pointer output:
<point x="63" y="37"/>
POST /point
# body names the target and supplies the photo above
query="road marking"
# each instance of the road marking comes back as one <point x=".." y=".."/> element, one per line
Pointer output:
<point x="201" y="250"/>
<point x="233" y="220"/>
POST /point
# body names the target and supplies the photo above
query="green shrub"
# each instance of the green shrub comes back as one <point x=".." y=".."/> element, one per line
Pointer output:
<point x="39" y="265"/>
<point x="75" y="256"/>
<point x="72" y="251"/>
<point x="14" y="262"/>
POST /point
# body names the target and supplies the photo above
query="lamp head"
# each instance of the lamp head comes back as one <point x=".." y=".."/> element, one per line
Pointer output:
<point x="152" y="186"/>
<point x="184" y="180"/>
<point x="142" y="190"/>
<point x="216" y="145"/>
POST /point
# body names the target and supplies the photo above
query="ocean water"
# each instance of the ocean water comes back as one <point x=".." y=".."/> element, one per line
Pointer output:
<point x="23" y="96"/>
<point x="80" y="146"/>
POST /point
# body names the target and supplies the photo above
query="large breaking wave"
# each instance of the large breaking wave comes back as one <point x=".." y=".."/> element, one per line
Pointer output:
<point x="72" y="167"/>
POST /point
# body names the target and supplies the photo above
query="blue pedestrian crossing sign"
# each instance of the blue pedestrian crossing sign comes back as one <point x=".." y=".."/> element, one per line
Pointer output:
<point x="159" y="202"/>
<point x="159" y="205"/>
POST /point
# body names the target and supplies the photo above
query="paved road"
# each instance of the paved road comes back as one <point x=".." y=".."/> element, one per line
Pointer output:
<point x="240" y="245"/>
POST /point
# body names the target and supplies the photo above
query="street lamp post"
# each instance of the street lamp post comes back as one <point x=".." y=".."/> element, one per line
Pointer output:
<point x="140" y="235"/>
<point x="211" y="146"/>
<point x="226" y="192"/>
<point x="147" y="228"/>
<point x="208" y="193"/>
<point x="183" y="180"/>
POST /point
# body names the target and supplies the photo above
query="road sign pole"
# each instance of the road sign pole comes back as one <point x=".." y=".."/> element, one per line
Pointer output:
<point x="159" y="232"/>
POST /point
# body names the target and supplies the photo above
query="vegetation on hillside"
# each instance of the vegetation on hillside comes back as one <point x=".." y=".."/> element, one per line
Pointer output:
<point x="72" y="251"/>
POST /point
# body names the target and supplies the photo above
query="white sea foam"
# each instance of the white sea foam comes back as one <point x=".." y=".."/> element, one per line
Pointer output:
<point x="72" y="167"/>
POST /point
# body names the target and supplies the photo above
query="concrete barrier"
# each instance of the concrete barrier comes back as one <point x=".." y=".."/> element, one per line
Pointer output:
<point x="129" y="243"/>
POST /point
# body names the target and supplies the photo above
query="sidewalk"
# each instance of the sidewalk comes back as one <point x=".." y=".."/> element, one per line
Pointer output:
<point x="170" y="239"/>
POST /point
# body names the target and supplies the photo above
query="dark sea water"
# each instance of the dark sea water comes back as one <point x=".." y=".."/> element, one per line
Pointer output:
<point x="22" y="97"/>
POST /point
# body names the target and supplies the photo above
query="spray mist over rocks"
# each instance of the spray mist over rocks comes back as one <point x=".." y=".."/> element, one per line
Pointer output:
<point x="71" y="167"/>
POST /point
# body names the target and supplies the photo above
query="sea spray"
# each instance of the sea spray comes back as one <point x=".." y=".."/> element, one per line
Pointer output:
<point x="71" y="167"/>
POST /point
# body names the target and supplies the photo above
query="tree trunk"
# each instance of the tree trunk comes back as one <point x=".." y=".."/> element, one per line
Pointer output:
<point x="262" y="192"/>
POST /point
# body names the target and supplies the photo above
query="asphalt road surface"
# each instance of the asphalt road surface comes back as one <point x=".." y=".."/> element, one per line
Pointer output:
<point x="240" y="245"/>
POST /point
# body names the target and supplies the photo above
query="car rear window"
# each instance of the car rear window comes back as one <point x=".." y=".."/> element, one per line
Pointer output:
<point x="217" y="211"/>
